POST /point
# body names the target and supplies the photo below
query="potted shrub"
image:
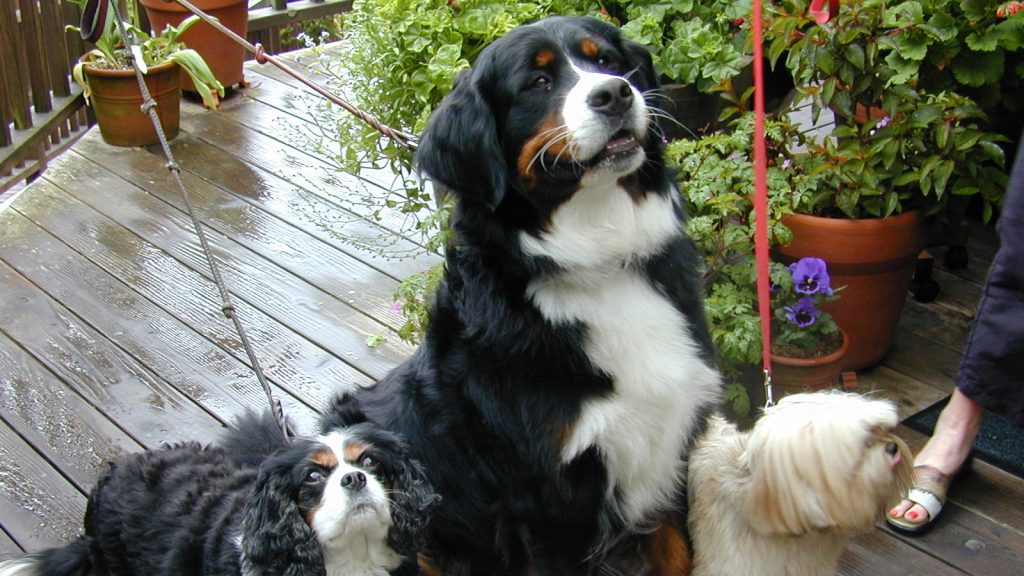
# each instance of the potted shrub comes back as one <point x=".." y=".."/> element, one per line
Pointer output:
<point x="700" y="48"/>
<point x="223" y="55"/>
<point x="897" y="156"/>
<point x="111" y="86"/>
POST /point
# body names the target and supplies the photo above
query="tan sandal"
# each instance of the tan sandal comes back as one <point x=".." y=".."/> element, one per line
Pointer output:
<point x="929" y="492"/>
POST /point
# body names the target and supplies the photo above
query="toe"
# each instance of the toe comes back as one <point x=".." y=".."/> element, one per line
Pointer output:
<point x="909" y="511"/>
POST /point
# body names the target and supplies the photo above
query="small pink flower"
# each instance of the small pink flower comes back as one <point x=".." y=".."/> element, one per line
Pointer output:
<point x="1008" y="9"/>
<point x="396" y="307"/>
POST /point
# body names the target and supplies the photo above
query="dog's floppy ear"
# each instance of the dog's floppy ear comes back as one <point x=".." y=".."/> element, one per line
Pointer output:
<point x="275" y="538"/>
<point x="788" y="481"/>
<point x="412" y="500"/>
<point x="343" y="412"/>
<point x="459" y="148"/>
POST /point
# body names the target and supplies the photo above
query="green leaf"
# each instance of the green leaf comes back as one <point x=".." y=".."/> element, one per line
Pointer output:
<point x="854" y="53"/>
<point x="941" y="175"/>
<point x="978" y="68"/>
<point x="924" y="116"/>
<point x="982" y="43"/>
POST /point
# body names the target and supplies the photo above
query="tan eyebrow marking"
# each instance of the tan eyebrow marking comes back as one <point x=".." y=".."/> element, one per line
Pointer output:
<point x="353" y="450"/>
<point x="325" y="458"/>
<point x="589" y="47"/>
<point x="543" y="58"/>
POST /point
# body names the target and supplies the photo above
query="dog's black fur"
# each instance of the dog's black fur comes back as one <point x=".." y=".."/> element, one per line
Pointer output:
<point x="237" y="509"/>
<point x="495" y="389"/>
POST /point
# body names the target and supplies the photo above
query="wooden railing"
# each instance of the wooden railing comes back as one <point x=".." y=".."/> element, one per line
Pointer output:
<point x="42" y="111"/>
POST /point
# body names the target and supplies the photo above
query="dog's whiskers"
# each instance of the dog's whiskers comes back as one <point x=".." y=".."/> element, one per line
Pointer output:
<point x="663" y="114"/>
<point x="564" y="135"/>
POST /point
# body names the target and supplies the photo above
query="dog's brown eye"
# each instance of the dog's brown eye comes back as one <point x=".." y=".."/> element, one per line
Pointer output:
<point x="541" y="82"/>
<point x="314" y="477"/>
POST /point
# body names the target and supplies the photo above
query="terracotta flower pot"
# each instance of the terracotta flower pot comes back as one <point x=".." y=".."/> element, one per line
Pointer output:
<point x="222" y="54"/>
<point x="117" y="101"/>
<point x="794" y="375"/>
<point x="874" y="258"/>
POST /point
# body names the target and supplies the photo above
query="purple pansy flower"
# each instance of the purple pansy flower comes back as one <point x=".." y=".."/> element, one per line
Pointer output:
<point x="803" y="314"/>
<point x="810" y="275"/>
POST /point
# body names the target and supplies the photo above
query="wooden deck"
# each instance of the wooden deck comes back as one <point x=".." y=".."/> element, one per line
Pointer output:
<point x="111" y="338"/>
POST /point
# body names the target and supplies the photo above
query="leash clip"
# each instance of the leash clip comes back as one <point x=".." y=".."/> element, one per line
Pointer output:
<point x="769" y="399"/>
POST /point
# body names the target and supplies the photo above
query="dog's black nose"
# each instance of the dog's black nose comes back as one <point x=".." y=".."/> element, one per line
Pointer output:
<point x="611" y="98"/>
<point x="891" y="448"/>
<point x="353" y="481"/>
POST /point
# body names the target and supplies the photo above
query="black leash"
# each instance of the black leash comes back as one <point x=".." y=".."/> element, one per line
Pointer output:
<point x="227" y="306"/>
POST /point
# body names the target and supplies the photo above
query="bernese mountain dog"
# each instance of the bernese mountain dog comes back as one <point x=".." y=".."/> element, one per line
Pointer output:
<point x="348" y="503"/>
<point x="567" y="365"/>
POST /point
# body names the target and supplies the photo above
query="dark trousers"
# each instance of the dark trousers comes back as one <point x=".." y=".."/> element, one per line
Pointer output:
<point x="992" y="369"/>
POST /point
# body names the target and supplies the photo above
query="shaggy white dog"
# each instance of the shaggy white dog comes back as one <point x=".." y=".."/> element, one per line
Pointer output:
<point x="784" y="498"/>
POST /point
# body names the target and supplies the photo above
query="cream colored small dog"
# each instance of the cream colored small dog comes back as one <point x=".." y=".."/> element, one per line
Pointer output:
<point x="786" y="497"/>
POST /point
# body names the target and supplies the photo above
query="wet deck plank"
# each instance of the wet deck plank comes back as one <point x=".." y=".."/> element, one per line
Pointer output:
<point x="39" y="507"/>
<point x="111" y="338"/>
<point x="8" y="546"/>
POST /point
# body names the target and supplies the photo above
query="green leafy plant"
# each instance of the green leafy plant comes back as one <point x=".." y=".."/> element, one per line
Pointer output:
<point x="716" y="180"/>
<point x="699" y="42"/>
<point x="895" y="146"/>
<point x="111" y="53"/>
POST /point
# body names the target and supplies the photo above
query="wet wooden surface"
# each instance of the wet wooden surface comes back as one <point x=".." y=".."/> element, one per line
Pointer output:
<point x="112" y="340"/>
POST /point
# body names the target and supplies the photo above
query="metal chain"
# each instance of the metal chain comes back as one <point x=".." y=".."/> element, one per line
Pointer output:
<point x="227" y="306"/>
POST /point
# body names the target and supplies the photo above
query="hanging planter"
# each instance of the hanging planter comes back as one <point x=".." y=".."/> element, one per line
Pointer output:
<point x="874" y="258"/>
<point x="223" y="55"/>
<point x="117" y="103"/>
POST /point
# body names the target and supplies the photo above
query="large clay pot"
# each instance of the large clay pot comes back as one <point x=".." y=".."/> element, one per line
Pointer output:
<point x="795" y="375"/>
<point x="117" y="101"/>
<point x="874" y="258"/>
<point x="223" y="55"/>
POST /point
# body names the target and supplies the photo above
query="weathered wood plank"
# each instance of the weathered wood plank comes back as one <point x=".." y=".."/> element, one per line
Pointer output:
<point x="306" y="370"/>
<point x="317" y="314"/>
<point x="116" y="384"/>
<point x="935" y="324"/>
<point x="879" y="552"/>
<point x="8" y="546"/>
<point x="927" y="362"/>
<point x="221" y="384"/>
<point x="363" y="287"/>
<point x="910" y="395"/>
<point x="71" y="434"/>
<point x="311" y="127"/>
<point x="38" y="507"/>
<point x="279" y="154"/>
<point x="972" y="543"/>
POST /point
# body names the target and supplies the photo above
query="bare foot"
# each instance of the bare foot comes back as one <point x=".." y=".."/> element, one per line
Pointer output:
<point x="947" y="449"/>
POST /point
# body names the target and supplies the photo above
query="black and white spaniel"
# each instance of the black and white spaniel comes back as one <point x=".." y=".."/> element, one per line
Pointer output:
<point x="567" y="366"/>
<point x="348" y="503"/>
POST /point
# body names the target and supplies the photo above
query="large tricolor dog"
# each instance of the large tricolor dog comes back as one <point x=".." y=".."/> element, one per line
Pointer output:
<point x="567" y="365"/>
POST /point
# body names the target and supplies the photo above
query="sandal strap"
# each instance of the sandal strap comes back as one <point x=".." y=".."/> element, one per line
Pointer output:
<point x="927" y="500"/>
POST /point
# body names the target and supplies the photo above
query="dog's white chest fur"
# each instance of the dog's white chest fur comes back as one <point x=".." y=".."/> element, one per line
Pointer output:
<point x="634" y="334"/>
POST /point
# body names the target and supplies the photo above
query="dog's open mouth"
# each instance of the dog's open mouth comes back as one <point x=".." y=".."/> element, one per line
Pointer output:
<point x="622" y="145"/>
